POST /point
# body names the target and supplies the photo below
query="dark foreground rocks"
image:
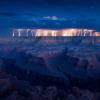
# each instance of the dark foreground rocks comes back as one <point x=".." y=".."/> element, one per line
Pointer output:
<point x="13" y="89"/>
<point x="60" y="77"/>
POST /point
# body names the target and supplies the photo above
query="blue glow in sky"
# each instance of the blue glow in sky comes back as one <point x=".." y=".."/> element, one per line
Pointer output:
<point x="48" y="14"/>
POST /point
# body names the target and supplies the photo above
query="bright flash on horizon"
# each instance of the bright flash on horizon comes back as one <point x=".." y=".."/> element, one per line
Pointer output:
<point x="59" y="32"/>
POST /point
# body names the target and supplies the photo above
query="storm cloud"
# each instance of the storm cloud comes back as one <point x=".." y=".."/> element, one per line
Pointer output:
<point x="49" y="14"/>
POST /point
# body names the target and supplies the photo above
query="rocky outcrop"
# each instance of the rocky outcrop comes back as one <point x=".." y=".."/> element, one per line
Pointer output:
<point x="33" y="69"/>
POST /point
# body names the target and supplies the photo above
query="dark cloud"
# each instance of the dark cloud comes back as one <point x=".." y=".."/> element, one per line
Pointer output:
<point x="8" y="14"/>
<point x="36" y="4"/>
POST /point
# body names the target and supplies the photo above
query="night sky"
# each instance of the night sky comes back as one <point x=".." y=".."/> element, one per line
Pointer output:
<point x="48" y="14"/>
